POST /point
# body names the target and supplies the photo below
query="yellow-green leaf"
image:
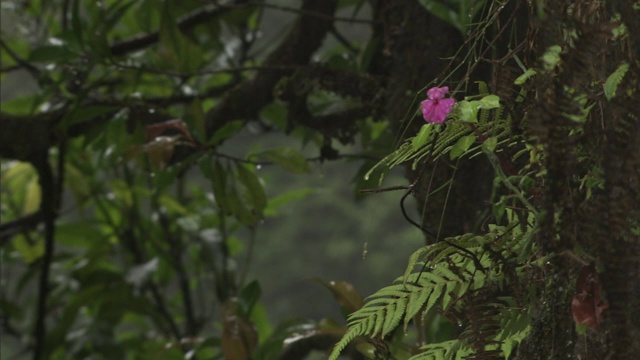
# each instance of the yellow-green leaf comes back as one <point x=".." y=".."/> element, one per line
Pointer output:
<point x="422" y="137"/>
<point x="32" y="197"/>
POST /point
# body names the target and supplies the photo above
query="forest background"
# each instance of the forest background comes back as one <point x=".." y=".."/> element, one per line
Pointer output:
<point x="230" y="179"/>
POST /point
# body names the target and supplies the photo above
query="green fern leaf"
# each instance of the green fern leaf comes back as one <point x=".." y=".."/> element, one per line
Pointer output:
<point x="515" y="328"/>
<point x="346" y="339"/>
<point x="451" y="349"/>
<point x="483" y="89"/>
<point x="611" y="85"/>
<point x="416" y="302"/>
<point x="447" y="274"/>
<point x="447" y="299"/>
<point x="379" y="320"/>
<point x="394" y="315"/>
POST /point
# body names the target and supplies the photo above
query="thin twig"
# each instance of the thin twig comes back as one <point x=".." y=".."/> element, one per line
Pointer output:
<point x="343" y="40"/>
<point x="231" y="70"/>
<point x="11" y="228"/>
<point x="384" y="189"/>
<point x="33" y="71"/>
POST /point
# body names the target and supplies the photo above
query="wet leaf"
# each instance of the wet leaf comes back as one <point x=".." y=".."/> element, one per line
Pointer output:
<point x="249" y="296"/>
<point x="139" y="274"/>
<point x="253" y="190"/>
<point x="461" y="146"/>
<point x="218" y="178"/>
<point x="288" y="158"/>
<point x="490" y="102"/>
<point x="422" y="137"/>
<point x="239" y="336"/>
<point x="587" y="305"/>
<point x="345" y="293"/>
<point x="154" y="131"/>
<point x="468" y="110"/>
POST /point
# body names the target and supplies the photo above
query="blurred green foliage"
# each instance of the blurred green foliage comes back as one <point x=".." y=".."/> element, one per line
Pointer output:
<point x="170" y="243"/>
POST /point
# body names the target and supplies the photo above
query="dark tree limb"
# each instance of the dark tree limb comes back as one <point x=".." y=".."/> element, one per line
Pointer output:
<point x="25" y="138"/>
<point x="305" y="37"/>
<point x="48" y="210"/>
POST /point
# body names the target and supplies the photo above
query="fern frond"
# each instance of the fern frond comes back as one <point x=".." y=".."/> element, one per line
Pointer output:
<point x="351" y="334"/>
<point x="439" y="276"/>
<point x="612" y="82"/>
<point x="446" y="350"/>
<point x="515" y="327"/>
<point x="381" y="314"/>
<point x="417" y="300"/>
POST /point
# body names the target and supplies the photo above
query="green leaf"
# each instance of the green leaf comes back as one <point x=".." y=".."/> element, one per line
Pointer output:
<point x="22" y="105"/>
<point x="275" y="113"/>
<point x="468" y="110"/>
<point x="444" y="13"/>
<point x="364" y="60"/>
<point x="78" y="234"/>
<point x="260" y="319"/>
<point x="87" y="113"/>
<point x="197" y="114"/>
<point x="274" y="203"/>
<point x="345" y="293"/>
<point x="490" y="102"/>
<point x="219" y="184"/>
<point x="33" y="196"/>
<point x="551" y="57"/>
<point x="611" y="85"/>
<point x="490" y="144"/>
<point x="179" y="51"/>
<point x="249" y="296"/>
<point x="76" y="22"/>
<point x="288" y="158"/>
<point x="238" y="206"/>
<point x="29" y="252"/>
<point x="52" y="54"/>
<point x="115" y="13"/>
<point x="254" y="192"/>
<point x="422" y="137"/>
<point x="462" y="145"/>
<point x="227" y="130"/>
<point x="524" y="77"/>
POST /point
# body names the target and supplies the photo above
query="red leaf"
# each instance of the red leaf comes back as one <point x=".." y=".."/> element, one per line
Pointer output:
<point x="155" y="130"/>
<point x="587" y="304"/>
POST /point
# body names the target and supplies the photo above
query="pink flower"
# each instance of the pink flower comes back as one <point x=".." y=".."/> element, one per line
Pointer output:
<point x="436" y="108"/>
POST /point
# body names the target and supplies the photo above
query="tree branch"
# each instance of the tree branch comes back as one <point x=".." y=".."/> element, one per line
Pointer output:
<point x="35" y="72"/>
<point x="11" y="228"/>
<point x="26" y="137"/>
<point x="47" y="207"/>
<point x="305" y="37"/>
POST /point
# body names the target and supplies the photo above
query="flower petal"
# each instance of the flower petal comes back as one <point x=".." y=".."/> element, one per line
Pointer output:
<point x="437" y="93"/>
<point x="428" y="110"/>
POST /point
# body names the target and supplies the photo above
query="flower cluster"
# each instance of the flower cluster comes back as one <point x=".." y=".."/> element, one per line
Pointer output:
<point x="436" y="108"/>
